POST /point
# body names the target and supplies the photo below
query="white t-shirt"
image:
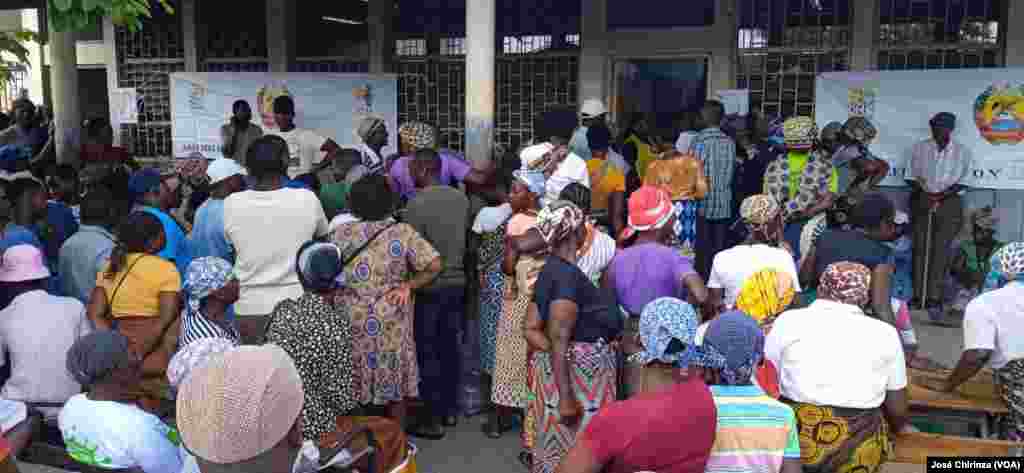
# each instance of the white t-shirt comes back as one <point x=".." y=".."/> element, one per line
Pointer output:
<point x="572" y="169"/>
<point x="266" y="228"/>
<point x="731" y="268"/>
<point x="995" y="321"/>
<point x="303" y="149"/>
<point x="111" y="435"/>
<point x="832" y="354"/>
<point x="685" y="141"/>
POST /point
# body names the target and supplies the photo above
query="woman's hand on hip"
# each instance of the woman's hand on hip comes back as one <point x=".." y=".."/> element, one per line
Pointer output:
<point x="400" y="296"/>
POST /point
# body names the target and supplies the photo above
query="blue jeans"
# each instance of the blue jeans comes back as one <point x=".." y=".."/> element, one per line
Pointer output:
<point x="437" y="321"/>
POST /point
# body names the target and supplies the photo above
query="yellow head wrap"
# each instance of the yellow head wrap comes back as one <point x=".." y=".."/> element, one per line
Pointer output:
<point x="765" y="295"/>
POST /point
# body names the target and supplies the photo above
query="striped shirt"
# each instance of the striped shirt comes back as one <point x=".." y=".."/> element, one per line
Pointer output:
<point x="718" y="152"/>
<point x="755" y="432"/>
<point x="598" y="256"/>
<point x="195" y="326"/>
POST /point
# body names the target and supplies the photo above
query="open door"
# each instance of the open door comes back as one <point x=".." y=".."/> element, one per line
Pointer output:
<point x="660" y="89"/>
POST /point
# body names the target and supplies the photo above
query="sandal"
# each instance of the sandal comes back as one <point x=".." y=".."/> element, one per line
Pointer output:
<point x="491" y="430"/>
<point x="526" y="459"/>
<point x="429" y="432"/>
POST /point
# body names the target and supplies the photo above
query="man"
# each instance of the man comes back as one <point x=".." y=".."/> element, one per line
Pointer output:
<point x="669" y="428"/>
<point x="454" y="168"/>
<point x="240" y="132"/>
<point x="266" y="225"/>
<point x="718" y="153"/>
<point x="304" y="145"/>
<point x="755" y="432"/>
<point x="36" y="330"/>
<point x="25" y="133"/>
<point x="374" y="133"/>
<point x="939" y="168"/>
<point x="158" y="195"/>
<point x="593" y="113"/>
<point x="28" y="199"/>
<point x="441" y="214"/>
<point x="84" y="254"/>
<point x="239" y="411"/>
<point x="207" y="239"/>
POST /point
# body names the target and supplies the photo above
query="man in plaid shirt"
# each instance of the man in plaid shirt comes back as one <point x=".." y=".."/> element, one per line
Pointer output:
<point x="718" y="153"/>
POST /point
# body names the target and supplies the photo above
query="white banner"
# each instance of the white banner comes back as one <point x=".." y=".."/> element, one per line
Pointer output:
<point x="988" y="104"/>
<point x="332" y="105"/>
<point x="736" y="101"/>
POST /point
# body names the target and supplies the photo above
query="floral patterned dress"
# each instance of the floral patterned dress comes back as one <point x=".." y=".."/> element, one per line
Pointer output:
<point x="492" y="294"/>
<point x="383" y="348"/>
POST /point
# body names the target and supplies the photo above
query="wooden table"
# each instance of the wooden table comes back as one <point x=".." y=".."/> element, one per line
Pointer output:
<point x="914" y="448"/>
<point x="976" y="401"/>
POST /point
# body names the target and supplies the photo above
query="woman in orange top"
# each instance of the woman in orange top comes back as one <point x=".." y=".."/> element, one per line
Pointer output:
<point x="607" y="181"/>
<point x="682" y="176"/>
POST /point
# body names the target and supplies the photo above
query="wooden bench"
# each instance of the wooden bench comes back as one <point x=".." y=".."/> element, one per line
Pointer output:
<point x="977" y="401"/>
<point x="916" y="447"/>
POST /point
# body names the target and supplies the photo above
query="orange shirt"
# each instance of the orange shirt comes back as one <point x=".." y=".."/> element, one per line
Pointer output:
<point x="605" y="179"/>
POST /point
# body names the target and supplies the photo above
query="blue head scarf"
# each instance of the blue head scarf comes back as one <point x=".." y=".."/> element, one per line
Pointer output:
<point x="739" y="340"/>
<point x="1006" y="265"/>
<point x="667" y="320"/>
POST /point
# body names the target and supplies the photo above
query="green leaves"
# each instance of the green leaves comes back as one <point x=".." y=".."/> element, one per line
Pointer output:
<point x="12" y="42"/>
<point x="69" y="15"/>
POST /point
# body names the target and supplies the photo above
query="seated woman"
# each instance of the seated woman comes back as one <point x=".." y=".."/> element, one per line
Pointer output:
<point x="209" y="290"/>
<point x="104" y="427"/>
<point x="992" y="336"/>
<point x="971" y="263"/>
<point x="765" y="295"/>
<point x="848" y="395"/>
<point x="316" y="333"/>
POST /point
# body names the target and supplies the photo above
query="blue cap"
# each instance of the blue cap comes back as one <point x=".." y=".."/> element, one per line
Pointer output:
<point x="10" y="155"/>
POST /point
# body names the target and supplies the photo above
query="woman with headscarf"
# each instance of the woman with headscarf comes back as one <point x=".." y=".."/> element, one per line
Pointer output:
<point x="765" y="295"/>
<point x="763" y="248"/>
<point x="570" y="325"/>
<point x="373" y="131"/>
<point x="994" y="336"/>
<point x="455" y="169"/>
<point x="802" y="181"/>
<point x="104" y="427"/>
<point x="682" y="176"/>
<point x="971" y="264"/>
<point x="509" y="390"/>
<point x="209" y="290"/>
<point x="385" y="262"/>
<point x="847" y="396"/>
<point x="315" y="331"/>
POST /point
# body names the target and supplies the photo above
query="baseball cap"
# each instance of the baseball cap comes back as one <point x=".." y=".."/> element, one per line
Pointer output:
<point x="23" y="263"/>
<point x="224" y="168"/>
<point x="593" y="108"/>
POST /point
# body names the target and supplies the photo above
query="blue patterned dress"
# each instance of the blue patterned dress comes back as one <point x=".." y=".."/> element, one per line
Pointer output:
<point x="492" y="294"/>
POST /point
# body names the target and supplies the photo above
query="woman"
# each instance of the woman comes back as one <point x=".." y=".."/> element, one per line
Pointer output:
<point x="104" y="428"/>
<point x="384" y="263"/>
<point x="598" y="248"/>
<point x="637" y="145"/>
<point x="138" y="291"/>
<point x="992" y="337"/>
<point x="682" y="176"/>
<point x="971" y="263"/>
<point x="847" y="397"/>
<point x="569" y="325"/>
<point x="316" y="333"/>
<point x="763" y="248"/>
<point x="209" y="290"/>
<point x="765" y="295"/>
<point x="509" y="391"/>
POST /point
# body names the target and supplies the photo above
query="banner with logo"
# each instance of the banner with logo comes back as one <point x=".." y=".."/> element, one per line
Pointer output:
<point x="332" y="105"/>
<point x="988" y="104"/>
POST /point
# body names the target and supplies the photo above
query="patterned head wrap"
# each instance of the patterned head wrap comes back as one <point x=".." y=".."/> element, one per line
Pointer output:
<point x="739" y="341"/>
<point x="765" y="295"/>
<point x="860" y="129"/>
<point x="558" y="220"/>
<point x="418" y="135"/>
<point x="533" y="179"/>
<point x="800" y="133"/>
<point x="1006" y="265"/>
<point x="984" y="218"/>
<point x="666" y="320"/>
<point x="368" y="126"/>
<point x="204" y="276"/>
<point x="846" y="282"/>
<point x="195" y="354"/>
<point x="759" y="209"/>
<point x="193" y="169"/>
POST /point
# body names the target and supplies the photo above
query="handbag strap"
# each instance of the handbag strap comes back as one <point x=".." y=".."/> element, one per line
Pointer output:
<point x="363" y="247"/>
<point x="119" y="283"/>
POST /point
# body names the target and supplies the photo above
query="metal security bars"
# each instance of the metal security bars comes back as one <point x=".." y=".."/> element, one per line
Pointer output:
<point x="940" y="34"/>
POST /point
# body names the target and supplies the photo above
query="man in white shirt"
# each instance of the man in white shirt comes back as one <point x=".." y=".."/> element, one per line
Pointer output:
<point x="374" y="133"/>
<point x="304" y="145"/>
<point x="939" y="168"/>
<point x="266" y="225"/>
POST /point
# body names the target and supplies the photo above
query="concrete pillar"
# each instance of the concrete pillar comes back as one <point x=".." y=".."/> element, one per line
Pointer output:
<point x="1014" y="34"/>
<point x="110" y="53"/>
<point x="593" y="75"/>
<point x="67" y="112"/>
<point x="280" y="34"/>
<point x="189" y="27"/>
<point x="481" y="25"/>
<point x="864" y="36"/>
<point x="381" y="22"/>
<point x="724" y="53"/>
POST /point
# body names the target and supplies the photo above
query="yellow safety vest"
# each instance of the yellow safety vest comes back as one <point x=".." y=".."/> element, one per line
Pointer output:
<point x="644" y="154"/>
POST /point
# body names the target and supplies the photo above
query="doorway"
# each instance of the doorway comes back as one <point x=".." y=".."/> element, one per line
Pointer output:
<point x="660" y="90"/>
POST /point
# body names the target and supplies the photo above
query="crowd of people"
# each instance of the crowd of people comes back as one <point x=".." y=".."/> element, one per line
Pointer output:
<point x="729" y="284"/>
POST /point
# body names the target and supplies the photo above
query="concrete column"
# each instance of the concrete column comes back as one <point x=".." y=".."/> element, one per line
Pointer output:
<point x="864" y="35"/>
<point x="381" y="22"/>
<point x="481" y="25"/>
<point x="110" y="53"/>
<point x="280" y="34"/>
<point x="722" y="67"/>
<point x="1014" y="34"/>
<point x="189" y="26"/>
<point x="67" y="112"/>
<point x="593" y="75"/>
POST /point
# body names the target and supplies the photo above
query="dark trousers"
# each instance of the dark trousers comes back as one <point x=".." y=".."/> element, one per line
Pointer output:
<point x="946" y="223"/>
<point x="712" y="237"/>
<point x="437" y="321"/>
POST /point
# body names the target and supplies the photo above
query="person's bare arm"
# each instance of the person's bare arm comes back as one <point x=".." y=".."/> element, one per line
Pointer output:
<point x="402" y="294"/>
<point x="807" y="269"/>
<point x="169" y="311"/>
<point x="695" y="286"/>
<point x="98" y="309"/>
<point x="560" y="326"/>
<point x="510" y="258"/>
<point x="580" y="459"/>
<point x="896" y="409"/>
<point x="533" y="328"/>
<point x="617" y="212"/>
<point x="481" y="173"/>
<point x="530" y="242"/>
<point x="331" y="148"/>
<point x="971" y="362"/>
<point x="881" y="303"/>
<point x="715" y="303"/>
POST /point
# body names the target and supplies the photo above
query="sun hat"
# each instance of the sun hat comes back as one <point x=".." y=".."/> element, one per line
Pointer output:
<point x="23" y="263"/>
<point x="239" y="405"/>
<point x="224" y="168"/>
<point x="650" y="208"/>
<point x="195" y="354"/>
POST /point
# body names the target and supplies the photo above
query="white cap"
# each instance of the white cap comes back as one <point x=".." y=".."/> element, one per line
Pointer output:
<point x="224" y="168"/>
<point x="531" y="154"/>
<point x="592" y="108"/>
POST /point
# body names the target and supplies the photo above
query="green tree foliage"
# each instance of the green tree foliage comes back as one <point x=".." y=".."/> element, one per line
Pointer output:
<point x="13" y="43"/>
<point x="70" y="15"/>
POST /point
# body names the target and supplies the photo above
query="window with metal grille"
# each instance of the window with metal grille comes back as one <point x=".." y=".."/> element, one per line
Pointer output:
<point x="526" y="44"/>
<point x="453" y="46"/>
<point x="573" y="39"/>
<point x="411" y="47"/>
<point x="940" y="34"/>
